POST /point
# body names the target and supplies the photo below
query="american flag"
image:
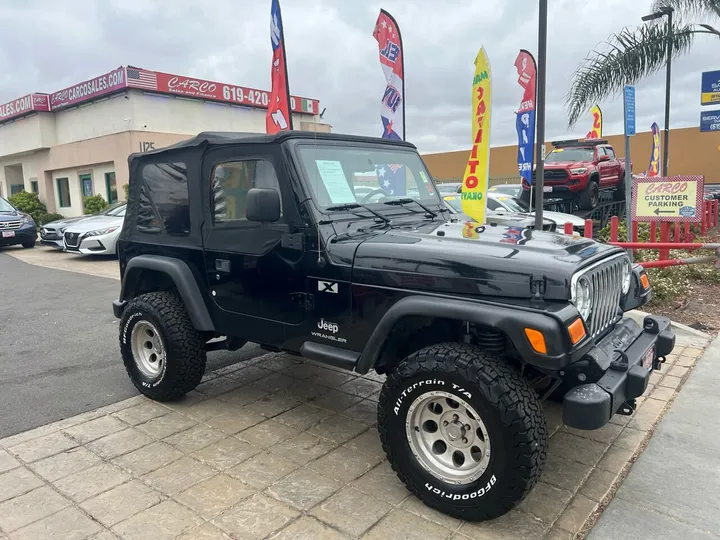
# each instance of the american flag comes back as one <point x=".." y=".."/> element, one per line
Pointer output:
<point x="139" y="78"/>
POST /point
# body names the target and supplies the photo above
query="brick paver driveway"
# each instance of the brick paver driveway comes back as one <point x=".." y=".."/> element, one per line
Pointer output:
<point x="279" y="448"/>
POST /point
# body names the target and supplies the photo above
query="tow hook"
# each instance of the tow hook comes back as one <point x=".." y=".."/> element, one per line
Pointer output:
<point x="660" y="360"/>
<point x="627" y="408"/>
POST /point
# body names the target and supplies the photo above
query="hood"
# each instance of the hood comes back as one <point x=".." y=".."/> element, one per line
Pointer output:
<point x="94" y="223"/>
<point x="12" y="216"/>
<point x="565" y="164"/>
<point x="465" y="259"/>
<point x="62" y="223"/>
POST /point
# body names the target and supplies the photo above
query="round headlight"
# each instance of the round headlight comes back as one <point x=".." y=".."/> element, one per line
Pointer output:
<point x="626" y="275"/>
<point x="582" y="297"/>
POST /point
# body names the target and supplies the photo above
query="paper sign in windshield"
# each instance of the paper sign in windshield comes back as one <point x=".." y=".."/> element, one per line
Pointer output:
<point x="335" y="181"/>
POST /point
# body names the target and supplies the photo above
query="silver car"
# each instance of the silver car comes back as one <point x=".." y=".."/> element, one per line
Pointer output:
<point x="96" y="235"/>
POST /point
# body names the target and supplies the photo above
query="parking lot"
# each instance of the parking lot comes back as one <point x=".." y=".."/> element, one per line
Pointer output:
<point x="268" y="445"/>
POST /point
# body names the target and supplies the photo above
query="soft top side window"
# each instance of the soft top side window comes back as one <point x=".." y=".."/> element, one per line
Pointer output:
<point x="231" y="182"/>
<point x="164" y="202"/>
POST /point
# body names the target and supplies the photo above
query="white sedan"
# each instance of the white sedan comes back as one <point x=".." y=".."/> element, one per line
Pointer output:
<point x="95" y="235"/>
<point x="500" y="203"/>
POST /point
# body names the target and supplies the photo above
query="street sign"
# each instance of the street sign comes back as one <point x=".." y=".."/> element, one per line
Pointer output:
<point x="674" y="198"/>
<point x="629" y="110"/>
<point x="710" y="88"/>
<point x="710" y="120"/>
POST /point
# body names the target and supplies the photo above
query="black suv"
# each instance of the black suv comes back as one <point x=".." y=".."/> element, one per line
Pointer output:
<point x="268" y="239"/>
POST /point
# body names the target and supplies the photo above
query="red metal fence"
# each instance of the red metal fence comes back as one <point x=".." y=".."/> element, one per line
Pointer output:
<point x="673" y="235"/>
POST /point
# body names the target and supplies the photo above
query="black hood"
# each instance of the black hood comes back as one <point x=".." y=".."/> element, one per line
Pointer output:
<point x="464" y="258"/>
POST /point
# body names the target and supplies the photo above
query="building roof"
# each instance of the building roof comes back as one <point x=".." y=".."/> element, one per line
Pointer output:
<point x="130" y="77"/>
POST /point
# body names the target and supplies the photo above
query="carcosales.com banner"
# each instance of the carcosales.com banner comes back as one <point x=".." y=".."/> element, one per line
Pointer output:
<point x="84" y="91"/>
<point x="23" y="106"/>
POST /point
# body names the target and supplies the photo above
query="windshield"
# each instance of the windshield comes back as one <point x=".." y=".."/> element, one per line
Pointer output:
<point x="455" y="202"/>
<point x="511" y="204"/>
<point x="118" y="210"/>
<point x="448" y="188"/>
<point x="112" y="209"/>
<point x="507" y="189"/>
<point x="570" y="155"/>
<point x="5" y="206"/>
<point x="340" y="175"/>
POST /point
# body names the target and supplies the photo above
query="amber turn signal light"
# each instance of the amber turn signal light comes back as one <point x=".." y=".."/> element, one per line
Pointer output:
<point x="537" y="340"/>
<point x="645" y="281"/>
<point x="576" y="329"/>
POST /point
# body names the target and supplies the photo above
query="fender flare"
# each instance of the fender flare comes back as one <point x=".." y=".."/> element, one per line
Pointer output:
<point x="184" y="280"/>
<point x="509" y="320"/>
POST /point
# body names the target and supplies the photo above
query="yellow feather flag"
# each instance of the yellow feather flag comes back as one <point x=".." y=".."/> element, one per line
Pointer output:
<point x="475" y="180"/>
<point x="596" y="131"/>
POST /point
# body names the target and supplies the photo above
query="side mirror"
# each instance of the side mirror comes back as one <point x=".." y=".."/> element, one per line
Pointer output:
<point x="604" y="157"/>
<point x="263" y="205"/>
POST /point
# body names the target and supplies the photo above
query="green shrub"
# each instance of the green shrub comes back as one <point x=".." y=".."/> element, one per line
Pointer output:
<point x="94" y="204"/>
<point x="48" y="218"/>
<point x="28" y="203"/>
<point x="126" y="189"/>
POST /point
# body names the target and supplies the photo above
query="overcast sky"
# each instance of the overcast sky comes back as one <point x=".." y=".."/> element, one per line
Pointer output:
<point x="46" y="45"/>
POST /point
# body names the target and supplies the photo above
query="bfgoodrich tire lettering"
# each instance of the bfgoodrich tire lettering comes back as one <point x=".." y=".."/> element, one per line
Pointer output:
<point x="184" y="348"/>
<point x="509" y="409"/>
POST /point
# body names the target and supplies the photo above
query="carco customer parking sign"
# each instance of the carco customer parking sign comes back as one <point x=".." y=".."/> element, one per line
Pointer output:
<point x="676" y="198"/>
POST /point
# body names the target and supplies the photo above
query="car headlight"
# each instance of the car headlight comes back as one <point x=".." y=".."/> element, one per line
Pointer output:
<point x="100" y="232"/>
<point x="579" y="170"/>
<point x="28" y="219"/>
<point x="581" y="296"/>
<point x="626" y="276"/>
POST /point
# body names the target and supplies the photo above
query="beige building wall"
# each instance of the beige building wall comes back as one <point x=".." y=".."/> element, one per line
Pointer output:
<point x="97" y="138"/>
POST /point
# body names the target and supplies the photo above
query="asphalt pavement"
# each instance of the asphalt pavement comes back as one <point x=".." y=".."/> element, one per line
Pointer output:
<point x="59" y="353"/>
<point x="673" y="490"/>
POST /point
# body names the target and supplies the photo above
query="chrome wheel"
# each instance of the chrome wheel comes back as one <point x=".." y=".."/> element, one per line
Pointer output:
<point x="148" y="350"/>
<point x="447" y="437"/>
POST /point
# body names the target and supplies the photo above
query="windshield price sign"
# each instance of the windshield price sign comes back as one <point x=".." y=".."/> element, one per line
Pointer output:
<point x="676" y="198"/>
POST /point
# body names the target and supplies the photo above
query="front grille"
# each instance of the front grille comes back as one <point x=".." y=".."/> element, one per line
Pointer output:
<point x="606" y="280"/>
<point x="10" y="225"/>
<point x="553" y="174"/>
<point x="72" y="239"/>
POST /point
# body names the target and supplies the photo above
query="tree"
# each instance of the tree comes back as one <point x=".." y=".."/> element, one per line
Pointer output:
<point x="634" y="53"/>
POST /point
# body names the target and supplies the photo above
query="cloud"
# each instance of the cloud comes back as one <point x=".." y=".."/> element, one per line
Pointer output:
<point x="332" y="55"/>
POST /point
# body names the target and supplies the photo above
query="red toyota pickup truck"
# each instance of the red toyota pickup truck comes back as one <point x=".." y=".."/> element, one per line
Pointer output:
<point x="579" y="170"/>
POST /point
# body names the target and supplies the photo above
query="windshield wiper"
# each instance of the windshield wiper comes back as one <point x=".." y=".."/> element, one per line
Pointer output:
<point x="353" y="206"/>
<point x="407" y="200"/>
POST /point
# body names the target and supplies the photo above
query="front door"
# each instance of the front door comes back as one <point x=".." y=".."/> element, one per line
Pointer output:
<point x="86" y="185"/>
<point x="254" y="270"/>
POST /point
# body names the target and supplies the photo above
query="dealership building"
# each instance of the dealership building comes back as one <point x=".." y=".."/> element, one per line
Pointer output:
<point x="75" y="142"/>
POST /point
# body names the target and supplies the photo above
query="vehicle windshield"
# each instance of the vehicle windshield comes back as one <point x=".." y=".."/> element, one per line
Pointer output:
<point x="5" y="206"/>
<point x="118" y="210"/>
<point x="512" y="204"/>
<point x="341" y="175"/>
<point x="455" y="202"/>
<point x="507" y="189"/>
<point x="570" y="155"/>
<point x="448" y="188"/>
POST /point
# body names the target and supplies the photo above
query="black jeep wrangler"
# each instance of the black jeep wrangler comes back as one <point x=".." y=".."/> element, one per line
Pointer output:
<point x="339" y="249"/>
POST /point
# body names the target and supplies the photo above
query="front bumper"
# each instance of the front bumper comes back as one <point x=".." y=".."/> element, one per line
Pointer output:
<point x="23" y="235"/>
<point x="620" y="354"/>
<point x="93" y="245"/>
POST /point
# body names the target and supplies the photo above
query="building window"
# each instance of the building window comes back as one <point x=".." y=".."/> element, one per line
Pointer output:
<point x="16" y="188"/>
<point x="232" y="181"/>
<point x="34" y="186"/>
<point x="111" y="187"/>
<point x="163" y="201"/>
<point x="86" y="185"/>
<point x="63" y="190"/>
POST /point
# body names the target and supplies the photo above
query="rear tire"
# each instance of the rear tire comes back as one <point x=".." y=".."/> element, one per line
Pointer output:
<point x="590" y="197"/>
<point x="619" y="194"/>
<point x="462" y="430"/>
<point x="163" y="353"/>
<point x="29" y="245"/>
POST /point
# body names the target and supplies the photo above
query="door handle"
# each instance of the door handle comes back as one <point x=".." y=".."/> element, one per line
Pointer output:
<point x="222" y="265"/>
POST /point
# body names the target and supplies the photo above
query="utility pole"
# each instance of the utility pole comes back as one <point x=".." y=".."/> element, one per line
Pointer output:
<point x="540" y="111"/>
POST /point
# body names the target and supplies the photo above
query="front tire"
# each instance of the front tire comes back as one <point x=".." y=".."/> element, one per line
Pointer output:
<point x="462" y="430"/>
<point x="28" y="245"/>
<point x="163" y="353"/>
<point x="590" y="197"/>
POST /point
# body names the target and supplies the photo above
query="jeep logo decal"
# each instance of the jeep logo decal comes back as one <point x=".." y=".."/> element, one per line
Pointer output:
<point x="330" y="327"/>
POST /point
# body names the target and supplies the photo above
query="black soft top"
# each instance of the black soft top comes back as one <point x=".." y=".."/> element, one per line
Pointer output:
<point x="220" y="138"/>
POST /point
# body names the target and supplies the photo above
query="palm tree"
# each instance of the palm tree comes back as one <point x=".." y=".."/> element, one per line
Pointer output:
<point x="635" y="53"/>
